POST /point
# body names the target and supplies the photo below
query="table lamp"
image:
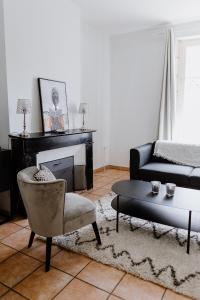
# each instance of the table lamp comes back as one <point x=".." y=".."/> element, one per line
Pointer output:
<point x="24" y="107"/>
<point x="83" y="111"/>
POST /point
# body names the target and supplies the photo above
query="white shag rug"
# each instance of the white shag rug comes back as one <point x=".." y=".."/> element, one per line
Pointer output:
<point x="148" y="250"/>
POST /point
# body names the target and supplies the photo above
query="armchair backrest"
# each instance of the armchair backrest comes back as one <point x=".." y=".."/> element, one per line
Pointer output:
<point x="44" y="202"/>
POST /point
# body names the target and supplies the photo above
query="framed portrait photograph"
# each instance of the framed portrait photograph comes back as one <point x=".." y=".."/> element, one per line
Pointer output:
<point x="54" y="108"/>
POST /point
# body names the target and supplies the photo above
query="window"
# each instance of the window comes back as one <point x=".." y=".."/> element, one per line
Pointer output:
<point x="188" y="91"/>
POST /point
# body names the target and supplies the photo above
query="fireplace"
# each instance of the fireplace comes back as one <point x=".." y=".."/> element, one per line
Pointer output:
<point x="25" y="151"/>
<point x="63" y="169"/>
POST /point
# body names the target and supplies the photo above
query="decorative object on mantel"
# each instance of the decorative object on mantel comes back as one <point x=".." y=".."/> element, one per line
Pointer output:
<point x="24" y="107"/>
<point x="83" y="110"/>
<point x="148" y="250"/>
<point x="54" y="109"/>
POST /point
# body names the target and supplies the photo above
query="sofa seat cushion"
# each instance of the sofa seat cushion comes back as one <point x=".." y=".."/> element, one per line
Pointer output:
<point x="166" y="172"/>
<point x="195" y="178"/>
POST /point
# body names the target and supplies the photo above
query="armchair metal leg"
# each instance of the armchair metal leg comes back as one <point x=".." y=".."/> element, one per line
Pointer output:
<point x="48" y="253"/>
<point x="96" y="231"/>
<point x="31" y="239"/>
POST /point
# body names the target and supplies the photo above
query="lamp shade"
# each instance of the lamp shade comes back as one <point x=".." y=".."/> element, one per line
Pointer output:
<point x="23" y="106"/>
<point x="83" y="108"/>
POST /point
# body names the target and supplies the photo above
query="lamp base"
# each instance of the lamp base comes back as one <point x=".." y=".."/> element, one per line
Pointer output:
<point x="24" y="134"/>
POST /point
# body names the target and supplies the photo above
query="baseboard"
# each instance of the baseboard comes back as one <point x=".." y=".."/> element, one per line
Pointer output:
<point x="111" y="167"/>
<point x="101" y="169"/>
<point x="118" y="168"/>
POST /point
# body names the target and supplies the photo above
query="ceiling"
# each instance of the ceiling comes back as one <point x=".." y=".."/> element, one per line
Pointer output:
<point x="116" y="16"/>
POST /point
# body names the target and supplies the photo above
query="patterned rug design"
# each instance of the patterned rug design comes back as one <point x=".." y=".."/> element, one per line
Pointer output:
<point x="148" y="250"/>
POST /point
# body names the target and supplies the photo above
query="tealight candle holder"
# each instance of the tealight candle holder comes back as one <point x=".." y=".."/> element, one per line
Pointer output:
<point x="155" y="187"/>
<point x="170" y="189"/>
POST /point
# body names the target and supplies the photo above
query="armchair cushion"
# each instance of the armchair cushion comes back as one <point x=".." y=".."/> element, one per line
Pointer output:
<point x="79" y="211"/>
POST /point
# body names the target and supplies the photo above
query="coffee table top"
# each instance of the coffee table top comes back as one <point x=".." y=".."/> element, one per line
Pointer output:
<point x="184" y="198"/>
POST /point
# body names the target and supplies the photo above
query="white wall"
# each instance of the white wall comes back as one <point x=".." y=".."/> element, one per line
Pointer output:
<point x="95" y="88"/>
<point x="4" y="118"/>
<point x="47" y="39"/>
<point x="42" y="40"/>
<point x="121" y="80"/>
<point x="136" y="76"/>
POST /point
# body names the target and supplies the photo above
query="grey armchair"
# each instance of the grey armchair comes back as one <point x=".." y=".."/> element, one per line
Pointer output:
<point x="51" y="211"/>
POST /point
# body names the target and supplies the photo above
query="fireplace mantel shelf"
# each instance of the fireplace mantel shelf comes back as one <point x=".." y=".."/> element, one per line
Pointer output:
<point x="25" y="150"/>
<point x="38" y="135"/>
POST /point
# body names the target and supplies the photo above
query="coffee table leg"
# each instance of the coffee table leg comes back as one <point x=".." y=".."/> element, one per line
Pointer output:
<point x="189" y="229"/>
<point x="117" y="219"/>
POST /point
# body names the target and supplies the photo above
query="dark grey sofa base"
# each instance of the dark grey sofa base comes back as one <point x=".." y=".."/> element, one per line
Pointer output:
<point x="144" y="166"/>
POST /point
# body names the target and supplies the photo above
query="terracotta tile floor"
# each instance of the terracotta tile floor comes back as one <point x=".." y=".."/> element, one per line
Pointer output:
<point x="72" y="276"/>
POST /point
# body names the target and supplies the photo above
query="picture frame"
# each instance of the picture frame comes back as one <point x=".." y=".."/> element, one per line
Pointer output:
<point x="53" y="104"/>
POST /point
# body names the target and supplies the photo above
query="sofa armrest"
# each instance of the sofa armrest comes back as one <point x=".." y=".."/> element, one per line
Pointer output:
<point x="139" y="156"/>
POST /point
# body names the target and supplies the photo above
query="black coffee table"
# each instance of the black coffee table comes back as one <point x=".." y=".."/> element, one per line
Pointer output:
<point x="134" y="198"/>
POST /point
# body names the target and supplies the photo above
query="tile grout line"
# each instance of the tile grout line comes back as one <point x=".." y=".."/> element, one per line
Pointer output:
<point x="42" y="264"/>
<point x="163" y="294"/>
<point x="92" y="260"/>
<point x="67" y="272"/>
<point x="65" y="285"/>
<point x="21" y="251"/>
<point x="84" y="267"/>
<point x="5" y="287"/>
<point x="11" y="290"/>
<point x="118" y="283"/>
<point x="9" y="256"/>
<point x="13" y="222"/>
<point x="39" y="260"/>
<point x="5" y="237"/>
<point x="92" y="285"/>
<point x="26" y="276"/>
<point x="74" y="277"/>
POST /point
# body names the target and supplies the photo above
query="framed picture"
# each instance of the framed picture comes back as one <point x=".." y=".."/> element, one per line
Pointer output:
<point x="53" y="101"/>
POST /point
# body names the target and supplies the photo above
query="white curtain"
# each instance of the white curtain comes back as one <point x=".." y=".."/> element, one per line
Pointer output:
<point x="168" y="96"/>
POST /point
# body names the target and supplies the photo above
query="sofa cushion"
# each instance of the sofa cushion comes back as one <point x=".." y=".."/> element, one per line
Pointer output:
<point x="195" y="178"/>
<point x="166" y="172"/>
